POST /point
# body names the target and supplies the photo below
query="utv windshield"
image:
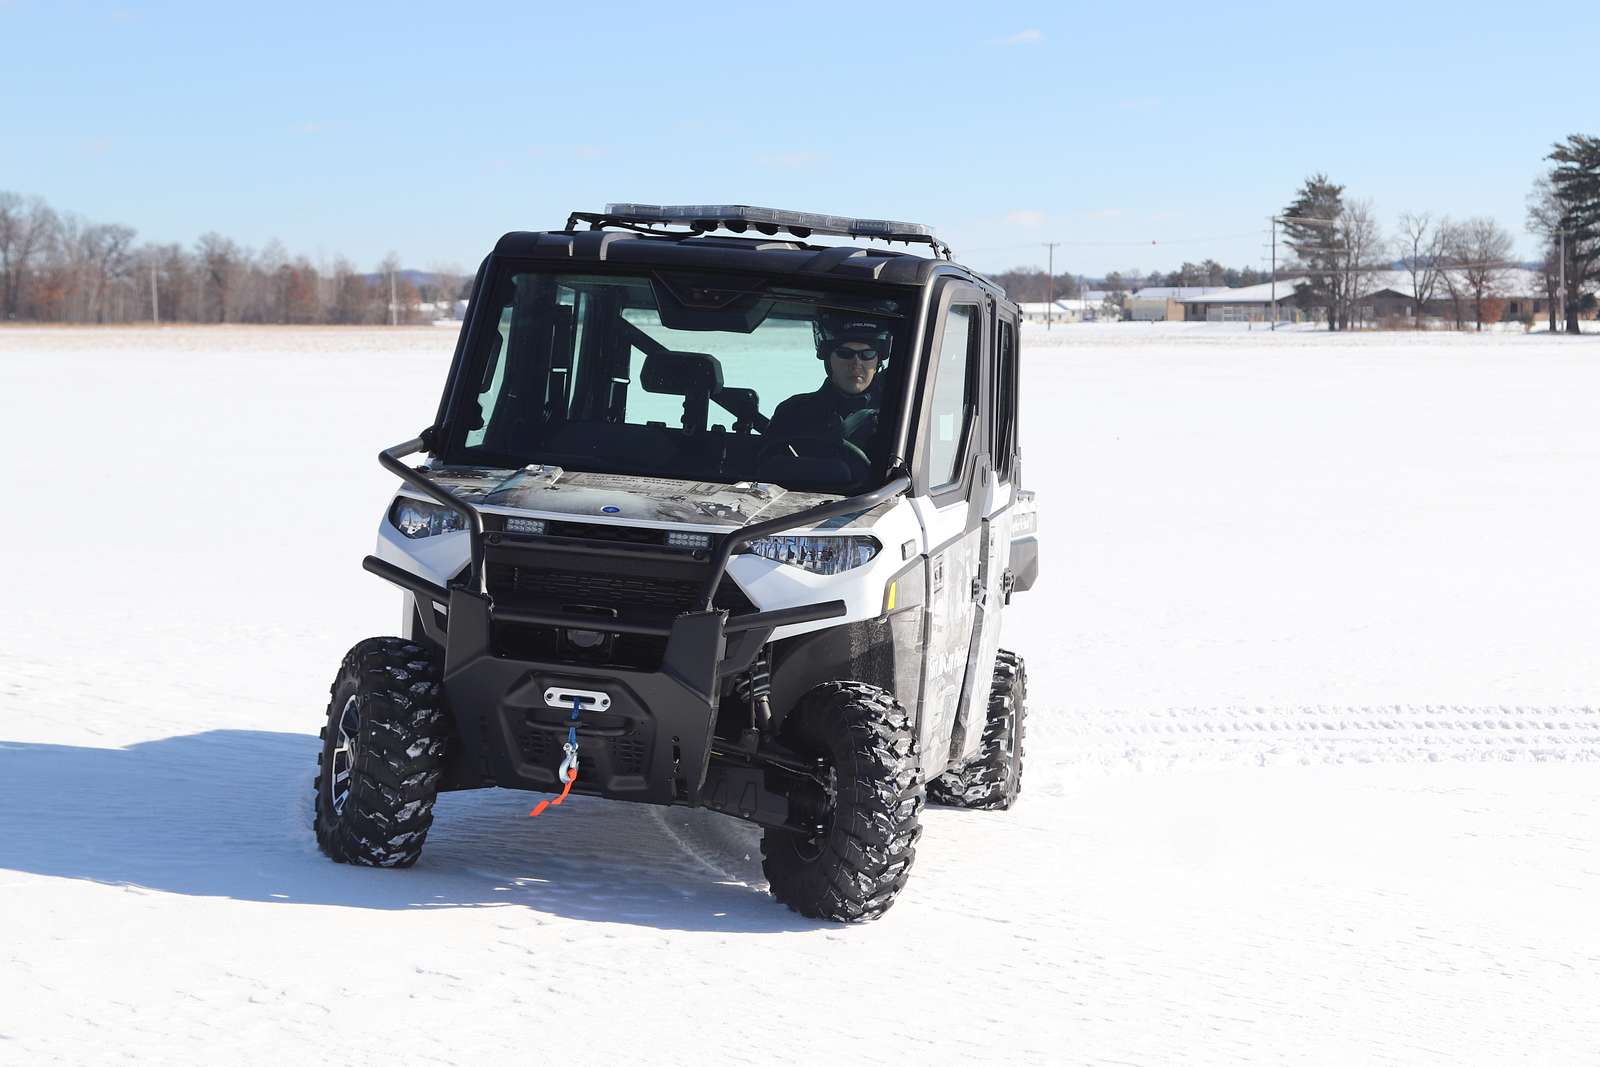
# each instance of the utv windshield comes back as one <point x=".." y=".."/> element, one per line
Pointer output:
<point x="705" y="377"/>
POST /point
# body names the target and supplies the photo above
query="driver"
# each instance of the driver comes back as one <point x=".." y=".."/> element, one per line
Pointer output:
<point x="846" y="405"/>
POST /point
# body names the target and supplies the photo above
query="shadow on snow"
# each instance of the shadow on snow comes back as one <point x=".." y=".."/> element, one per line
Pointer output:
<point x="227" y="813"/>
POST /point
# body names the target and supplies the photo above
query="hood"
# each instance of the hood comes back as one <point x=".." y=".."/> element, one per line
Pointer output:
<point x="631" y="500"/>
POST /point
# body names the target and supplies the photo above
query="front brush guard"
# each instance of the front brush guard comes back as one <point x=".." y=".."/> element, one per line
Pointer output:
<point x="669" y="713"/>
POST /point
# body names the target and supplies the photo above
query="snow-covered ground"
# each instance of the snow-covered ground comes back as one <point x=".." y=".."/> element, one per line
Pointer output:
<point x="1311" y="768"/>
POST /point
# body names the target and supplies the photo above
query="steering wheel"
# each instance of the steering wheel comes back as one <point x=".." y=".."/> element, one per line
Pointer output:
<point x="825" y="448"/>
<point x="863" y="423"/>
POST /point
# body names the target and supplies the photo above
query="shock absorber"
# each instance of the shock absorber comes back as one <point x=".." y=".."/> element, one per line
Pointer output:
<point x="755" y="687"/>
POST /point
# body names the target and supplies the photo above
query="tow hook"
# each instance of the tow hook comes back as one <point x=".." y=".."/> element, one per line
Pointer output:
<point x="568" y="771"/>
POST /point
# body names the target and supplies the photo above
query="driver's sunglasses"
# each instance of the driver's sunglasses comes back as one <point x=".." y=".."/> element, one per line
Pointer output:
<point x="844" y="351"/>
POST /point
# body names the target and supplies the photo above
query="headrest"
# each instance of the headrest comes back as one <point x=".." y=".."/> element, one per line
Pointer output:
<point x="681" y="374"/>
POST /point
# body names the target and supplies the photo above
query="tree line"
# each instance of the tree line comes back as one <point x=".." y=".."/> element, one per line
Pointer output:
<point x="1029" y="284"/>
<point x="1338" y="246"/>
<point x="57" y="266"/>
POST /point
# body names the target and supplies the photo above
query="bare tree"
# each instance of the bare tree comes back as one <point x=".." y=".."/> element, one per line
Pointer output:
<point x="105" y="249"/>
<point x="352" y="296"/>
<point x="27" y="229"/>
<point x="1485" y="257"/>
<point x="1419" y="247"/>
<point x="446" y="285"/>
<point x="1452" y="247"/>
<point x="1550" y="273"/>
<point x="1360" y="242"/>
<point x="259" y="293"/>
<point x="219" y="263"/>
<point x="1545" y="220"/>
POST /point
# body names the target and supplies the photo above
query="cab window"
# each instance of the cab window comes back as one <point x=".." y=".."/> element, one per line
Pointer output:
<point x="954" y="395"/>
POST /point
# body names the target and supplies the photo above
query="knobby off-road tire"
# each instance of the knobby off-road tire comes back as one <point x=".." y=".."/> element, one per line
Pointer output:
<point x="387" y="731"/>
<point x="853" y="870"/>
<point x="992" y="777"/>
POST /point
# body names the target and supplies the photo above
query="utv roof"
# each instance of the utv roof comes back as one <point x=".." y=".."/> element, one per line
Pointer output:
<point x="628" y="234"/>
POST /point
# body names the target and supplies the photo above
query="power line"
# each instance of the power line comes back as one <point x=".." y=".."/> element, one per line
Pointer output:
<point x="1140" y="242"/>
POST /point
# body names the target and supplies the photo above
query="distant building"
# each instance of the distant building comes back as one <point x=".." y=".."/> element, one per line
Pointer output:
<point x="1388" y="299"/>
<point x="1163" y="303"/>
<point x="1249" y="303"/>
<point x="1526" y="298"/>
<point x="1041" y="311"/>
<point x="1083" y="309"/>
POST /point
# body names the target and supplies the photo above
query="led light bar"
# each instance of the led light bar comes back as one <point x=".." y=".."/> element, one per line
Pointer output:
<point x="738" y="218"/>
<point x="525" y="526"/>
<point x="686" y="539"/>
<point x="765" y="216"/>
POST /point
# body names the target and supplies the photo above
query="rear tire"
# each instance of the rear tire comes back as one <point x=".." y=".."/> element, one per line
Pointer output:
<point x="991" y="778"/>
<point x="383" y="752"/>
<point x="855" y="867"/>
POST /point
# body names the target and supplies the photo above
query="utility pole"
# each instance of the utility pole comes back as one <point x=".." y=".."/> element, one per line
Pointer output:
<point x="1050" y="283"/>
<point x="394" y="310"/>
<point x="1274" y="325"/>
<point x="155" y="306"/>
<point x="1561" y="286"/>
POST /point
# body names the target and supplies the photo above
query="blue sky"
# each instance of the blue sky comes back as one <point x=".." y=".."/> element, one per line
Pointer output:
<point x="1138" y="136"/>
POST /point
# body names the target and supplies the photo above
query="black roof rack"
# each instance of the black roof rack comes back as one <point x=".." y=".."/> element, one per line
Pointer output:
<point x="739" y="218"/>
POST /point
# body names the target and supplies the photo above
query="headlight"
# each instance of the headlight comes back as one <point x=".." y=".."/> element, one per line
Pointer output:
<point x="819" y="555"/>
<point x="416" y="519"/>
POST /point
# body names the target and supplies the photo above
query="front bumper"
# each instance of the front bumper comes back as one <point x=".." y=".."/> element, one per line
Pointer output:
<point x="652" y="743"/>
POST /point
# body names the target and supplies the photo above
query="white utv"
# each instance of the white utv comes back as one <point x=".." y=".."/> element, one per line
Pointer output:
<point x="710" y="515"/>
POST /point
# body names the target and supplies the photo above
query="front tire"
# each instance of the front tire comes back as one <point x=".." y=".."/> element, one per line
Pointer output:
<point x="852" y="870"/>
<point x="383" y="752"/>
<point x="992" y="777"/>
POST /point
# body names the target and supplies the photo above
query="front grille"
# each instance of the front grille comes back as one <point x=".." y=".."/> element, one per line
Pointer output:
<point x="590" y="531"/>
<point x="621" y="592"/>
<point x="597" y="589"/>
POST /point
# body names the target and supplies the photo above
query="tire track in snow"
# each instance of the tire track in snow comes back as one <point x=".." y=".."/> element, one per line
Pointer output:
<point x="706" y="842"/>
<point x="1154" y="739"/>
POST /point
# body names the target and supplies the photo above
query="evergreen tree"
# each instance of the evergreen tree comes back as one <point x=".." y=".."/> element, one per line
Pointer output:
<point x="1575" y="183"/>
<point x="1310" y="230"/>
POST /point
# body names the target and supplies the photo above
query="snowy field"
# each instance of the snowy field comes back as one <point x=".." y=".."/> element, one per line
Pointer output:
<point x="1313" y="759"/>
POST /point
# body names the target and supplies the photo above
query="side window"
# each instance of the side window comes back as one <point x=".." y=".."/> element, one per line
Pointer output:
<point x="1005" y="401"/>
<point x="954" y="394"/>
<point x="493" y="381"/>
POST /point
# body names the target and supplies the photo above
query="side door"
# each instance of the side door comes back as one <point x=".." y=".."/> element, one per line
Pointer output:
<point x="995" y="499"/>
<point x="950" y="470"/>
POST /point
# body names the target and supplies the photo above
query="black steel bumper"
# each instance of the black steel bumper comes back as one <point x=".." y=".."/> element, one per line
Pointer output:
<point x="652" y="743"/>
